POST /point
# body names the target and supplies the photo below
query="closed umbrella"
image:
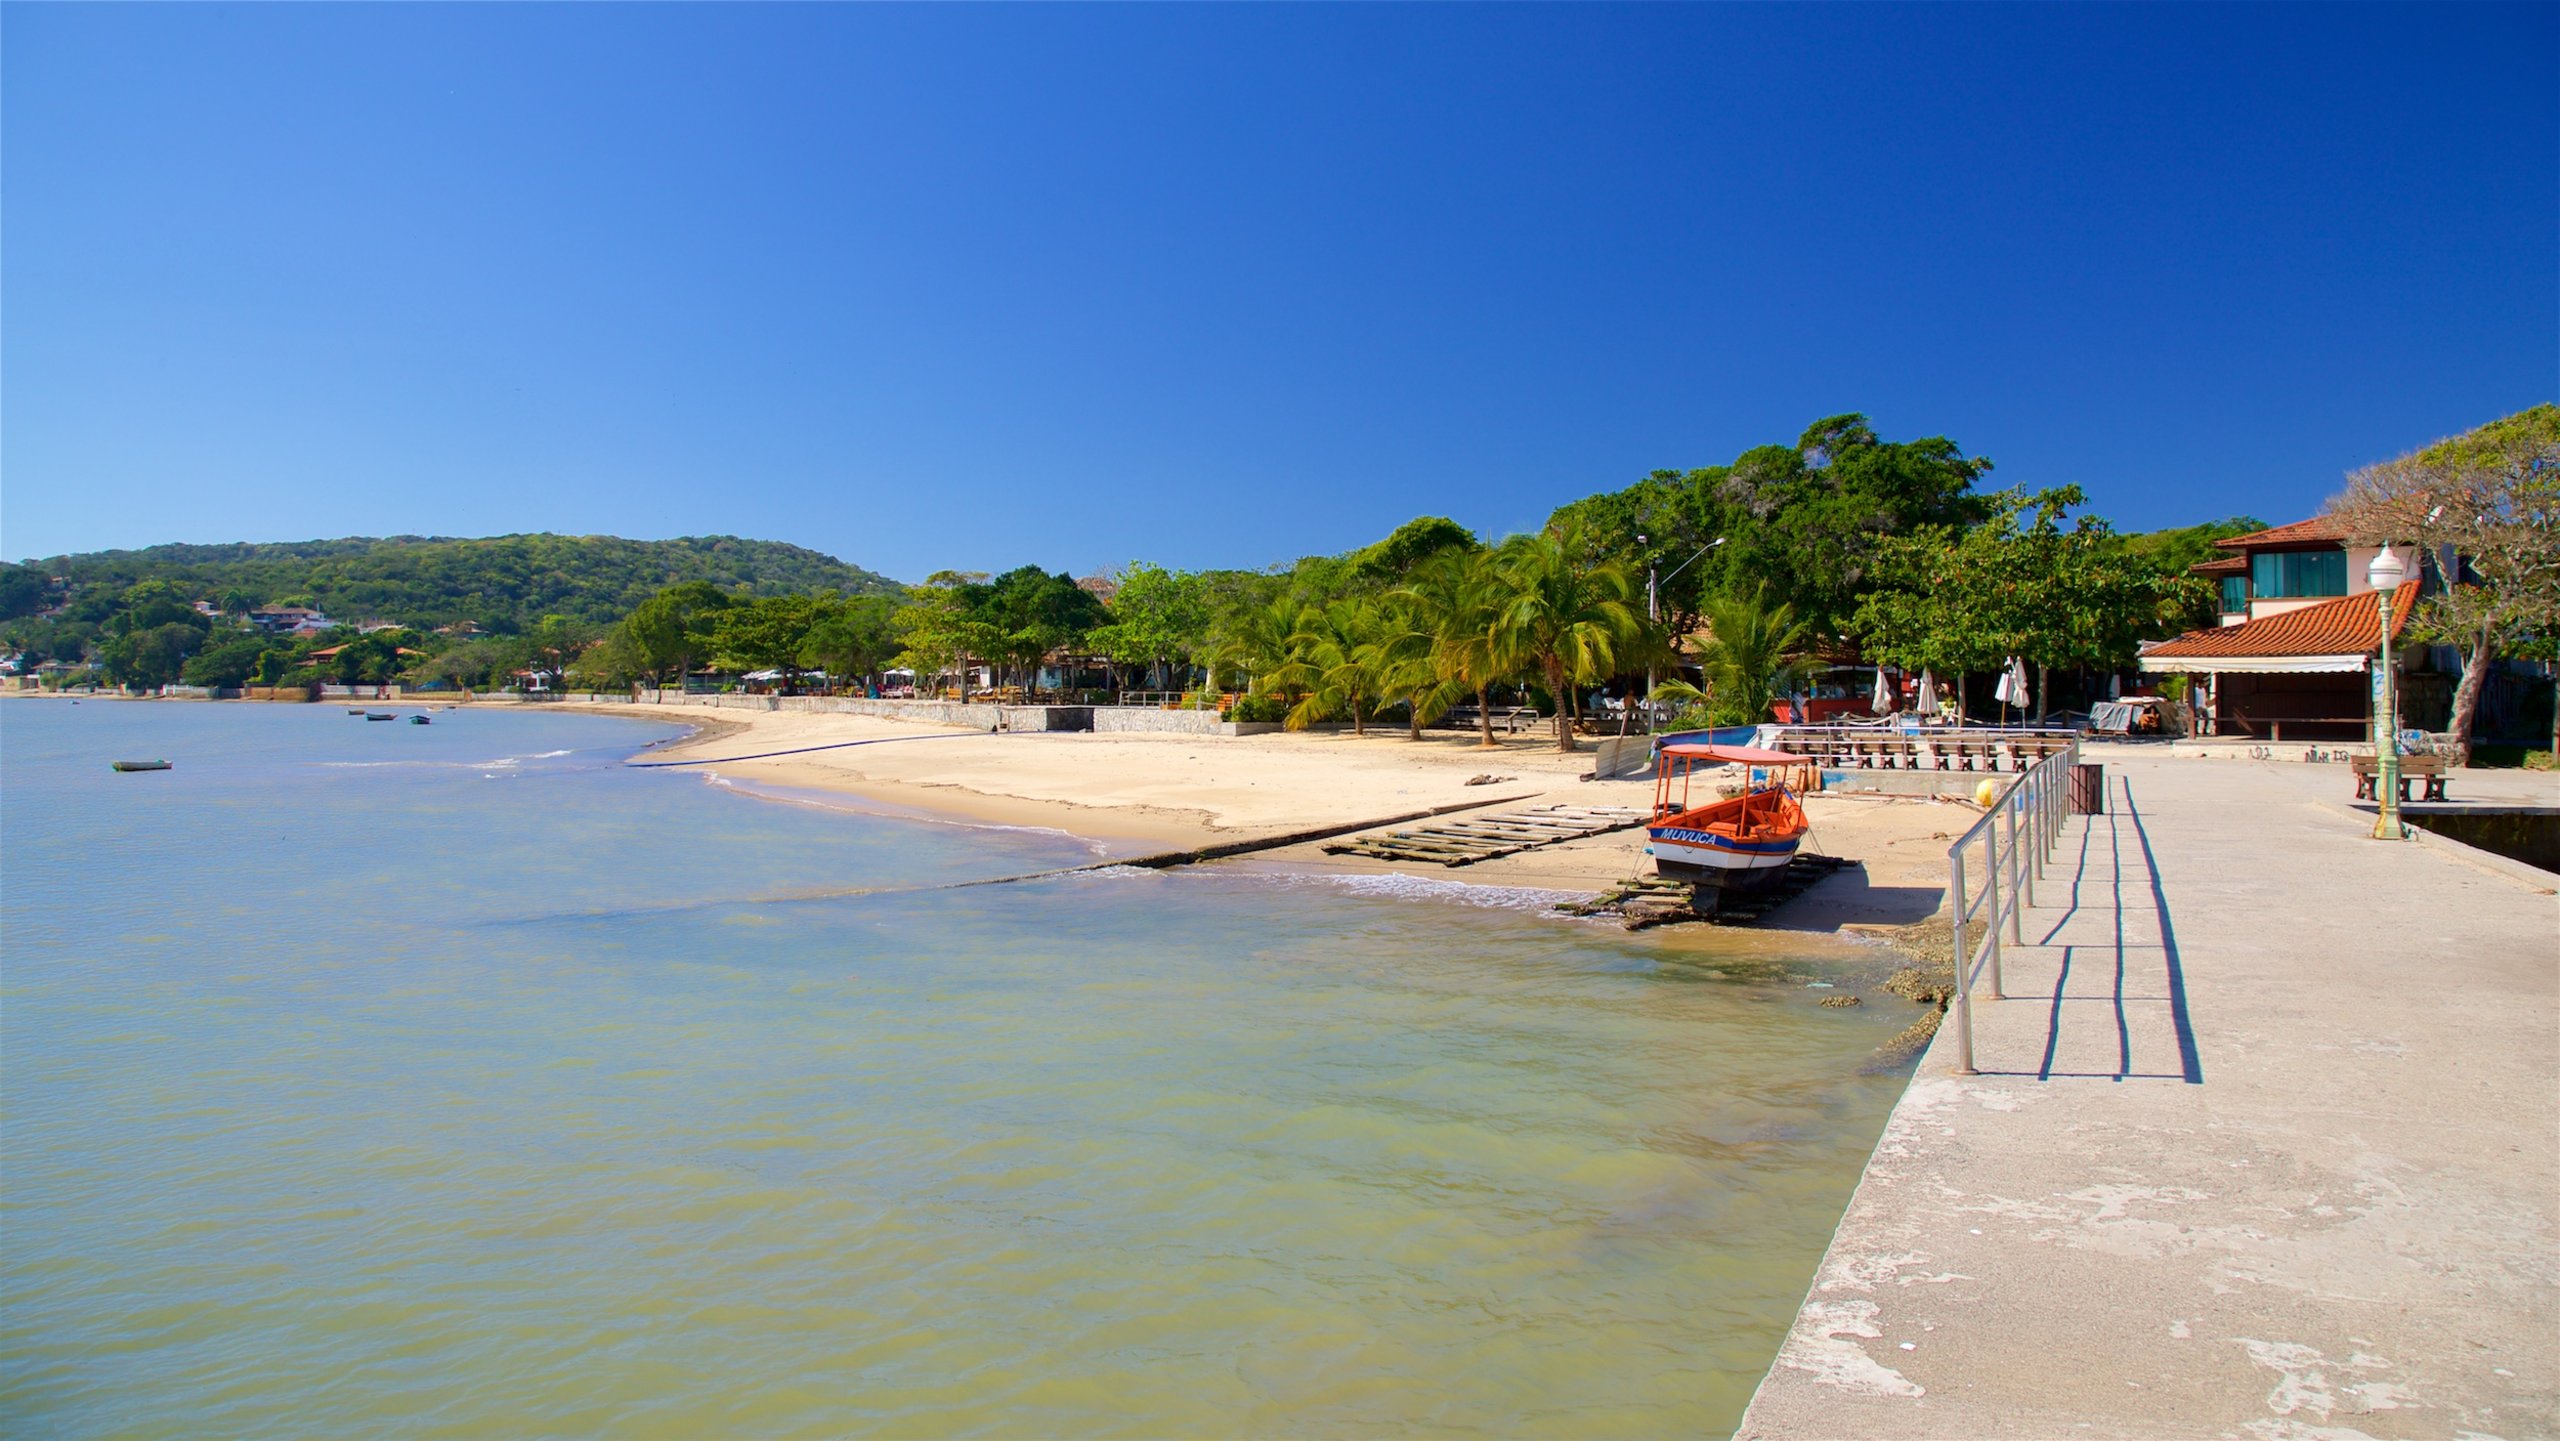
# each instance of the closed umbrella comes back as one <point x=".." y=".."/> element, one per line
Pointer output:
<point x="2019" y="694"/>
<point x="1927" y="704"/>
<point x="1882" y="701"/>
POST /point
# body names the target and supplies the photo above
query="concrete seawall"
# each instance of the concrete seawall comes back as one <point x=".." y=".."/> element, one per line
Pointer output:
<point x="2266" y="1143"/>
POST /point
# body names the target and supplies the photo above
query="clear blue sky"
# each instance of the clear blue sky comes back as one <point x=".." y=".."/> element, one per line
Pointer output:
<point x="979" y="285"/>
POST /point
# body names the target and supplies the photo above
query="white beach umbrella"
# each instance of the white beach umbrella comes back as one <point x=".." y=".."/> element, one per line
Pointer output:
<point x="1927" y="703"/>
<point x="1882" y="701"/>
<point x="2019" y="693"/>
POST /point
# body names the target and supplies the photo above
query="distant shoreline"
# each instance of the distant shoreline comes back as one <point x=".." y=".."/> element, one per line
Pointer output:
<point x="1131" y="794"/>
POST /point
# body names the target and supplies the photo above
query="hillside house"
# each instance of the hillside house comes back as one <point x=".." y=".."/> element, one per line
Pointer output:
<point x="289" y="620"/>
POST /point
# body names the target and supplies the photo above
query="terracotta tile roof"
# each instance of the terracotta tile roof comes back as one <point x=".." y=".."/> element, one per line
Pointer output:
<point x="2225" y="565"/>
<point x="2333" y="627"/>
<point x="2301" y="532"/>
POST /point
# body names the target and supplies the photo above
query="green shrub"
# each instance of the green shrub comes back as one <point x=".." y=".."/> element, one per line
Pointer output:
<point x="1259" y="709"/>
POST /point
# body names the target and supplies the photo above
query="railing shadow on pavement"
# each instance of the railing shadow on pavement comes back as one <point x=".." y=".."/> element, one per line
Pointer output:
<point x="2037" y="822"/>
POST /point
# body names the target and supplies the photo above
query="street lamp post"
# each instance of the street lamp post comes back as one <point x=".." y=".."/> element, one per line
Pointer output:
<point x="2384" y="575"/>
<point x="1653" y="614"/>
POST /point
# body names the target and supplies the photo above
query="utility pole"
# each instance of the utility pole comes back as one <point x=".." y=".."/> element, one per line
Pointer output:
<point x="1653" y="614"/>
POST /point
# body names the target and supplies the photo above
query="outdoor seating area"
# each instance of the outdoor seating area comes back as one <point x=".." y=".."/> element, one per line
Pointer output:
<point x="1934" y="749"/>
<point x="1510" y="720"/>
<point x="2428" y="769"/>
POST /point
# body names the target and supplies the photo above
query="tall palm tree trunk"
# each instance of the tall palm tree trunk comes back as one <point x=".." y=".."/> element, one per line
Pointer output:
<point x="1564" y="705"/>
<point x="1484" y="715"/>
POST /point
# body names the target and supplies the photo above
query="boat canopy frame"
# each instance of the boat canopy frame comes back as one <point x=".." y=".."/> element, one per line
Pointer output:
<point x="1680" y="763"/>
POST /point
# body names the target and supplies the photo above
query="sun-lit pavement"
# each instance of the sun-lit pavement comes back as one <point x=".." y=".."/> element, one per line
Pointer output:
<point x="2266" y="1143"/>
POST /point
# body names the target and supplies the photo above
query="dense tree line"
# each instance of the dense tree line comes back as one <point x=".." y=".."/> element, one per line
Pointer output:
<point x="1741" y="575"/>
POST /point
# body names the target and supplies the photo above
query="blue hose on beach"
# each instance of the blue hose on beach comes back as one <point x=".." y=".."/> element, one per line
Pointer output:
<point x="830" y="746"/>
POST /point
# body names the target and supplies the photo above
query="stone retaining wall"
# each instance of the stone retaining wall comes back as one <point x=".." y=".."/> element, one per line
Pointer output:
<point x="972" y="715"/>
<point x="1128" y="720"/>
<point x="977" y="715"/>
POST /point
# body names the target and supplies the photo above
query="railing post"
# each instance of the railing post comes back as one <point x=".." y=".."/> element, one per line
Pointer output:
<point x="1962" y="1000"/>
<point x="1992" y="899"/>
<point x="2018" y="861"/>
<point x="2044" y="817"/>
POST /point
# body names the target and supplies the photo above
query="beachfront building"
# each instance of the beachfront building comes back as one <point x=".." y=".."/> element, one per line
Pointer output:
<point x="2292" y="658"/>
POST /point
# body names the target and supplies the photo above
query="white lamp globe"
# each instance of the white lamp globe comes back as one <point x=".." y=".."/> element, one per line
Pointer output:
<point x="2386" y="571"/>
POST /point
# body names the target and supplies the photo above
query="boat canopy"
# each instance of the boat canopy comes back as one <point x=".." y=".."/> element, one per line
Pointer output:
<point x="1738" y="755"/>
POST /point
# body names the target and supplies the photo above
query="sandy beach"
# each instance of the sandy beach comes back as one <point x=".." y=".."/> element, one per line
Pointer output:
<point x="1135" y="794"/>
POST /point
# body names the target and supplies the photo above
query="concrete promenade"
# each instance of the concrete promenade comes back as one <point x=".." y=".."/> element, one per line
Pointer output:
<point x="2266" y="1144"/>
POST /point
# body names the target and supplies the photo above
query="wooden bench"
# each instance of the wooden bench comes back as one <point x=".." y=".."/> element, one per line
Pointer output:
<point x="1965" y="753"/>
<point x="2430" y="769"/>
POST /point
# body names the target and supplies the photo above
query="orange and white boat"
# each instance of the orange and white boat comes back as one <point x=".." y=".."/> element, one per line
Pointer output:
<point x="1740" y="843"/>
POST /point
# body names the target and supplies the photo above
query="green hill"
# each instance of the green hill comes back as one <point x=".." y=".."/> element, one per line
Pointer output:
<point x="502" y="583"/>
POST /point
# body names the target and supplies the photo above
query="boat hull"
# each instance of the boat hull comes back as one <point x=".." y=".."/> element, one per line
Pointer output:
<point x="1706" y="859"/>
<point x="1739" y="844"/>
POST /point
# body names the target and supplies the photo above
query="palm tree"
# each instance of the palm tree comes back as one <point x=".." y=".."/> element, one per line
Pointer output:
<point x="1421" y="647"/>
<point x="1562" y="615"/>
<point x="1334" y="657"/>
<point x="1754" y="653"/>
<point x="1262" y="641"/>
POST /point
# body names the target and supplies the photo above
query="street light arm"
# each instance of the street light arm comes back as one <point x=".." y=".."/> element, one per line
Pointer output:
<point x="1693" y="560"/>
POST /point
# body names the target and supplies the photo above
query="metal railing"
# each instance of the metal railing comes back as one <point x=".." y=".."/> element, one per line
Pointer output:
<point x="2031" y="811"/>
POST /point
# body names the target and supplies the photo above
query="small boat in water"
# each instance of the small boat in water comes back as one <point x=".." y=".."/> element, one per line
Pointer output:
<point x="418" y="720"/>
<point x="140" y="765"/>
<point x="1737" y="844"/>
<point x="379" y="715"/>
<point x="358" y="710"/>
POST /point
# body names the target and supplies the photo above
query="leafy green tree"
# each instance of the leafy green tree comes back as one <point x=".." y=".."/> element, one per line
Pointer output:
<point x="154" y="657"/>
<point x="941" y="629"/>
<point x="152" y="604"/>
<point x="23" y="589"/>
<point x="765" y="634"/>
<point x="672" y="632"/>
<point x="228" y="663"/>
<point x="1564" y="615"/>
<point x="477" y="664"/>
<point x="851" y="635"/>
<point x="2022" y="583"/>
<point x="613" y="662"/>
<point x="1410" y="546"/>
<point x="1802" y="522"/>
<point x="2175" y="552"/>
<point x="1030" y="612"/>
<point x="549" y="648"/>
<point x="1156" y="617"/>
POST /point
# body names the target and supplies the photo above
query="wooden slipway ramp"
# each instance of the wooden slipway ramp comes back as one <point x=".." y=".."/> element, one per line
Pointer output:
<point x="1648" y="901"/>
<point x="1481" y="838"/>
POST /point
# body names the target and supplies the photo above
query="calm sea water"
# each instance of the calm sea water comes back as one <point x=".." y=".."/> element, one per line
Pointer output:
<point x="459" y="1080"/>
